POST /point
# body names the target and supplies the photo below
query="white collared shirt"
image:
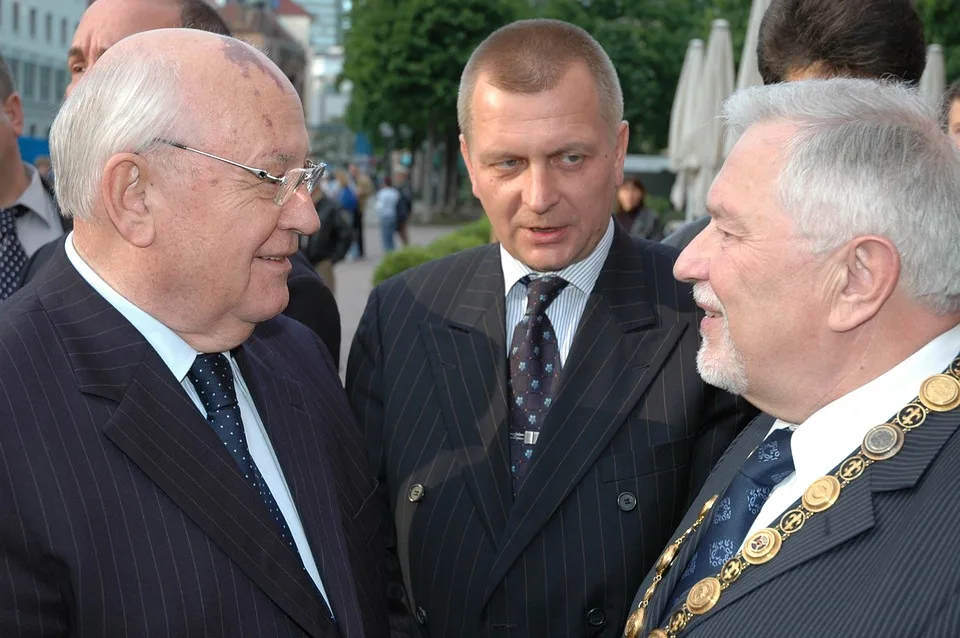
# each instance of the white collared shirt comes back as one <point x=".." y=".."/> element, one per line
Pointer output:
<point x="565" y="311"/>
<point x="179" y="356"/>
<point x="42" y="224"/>
<point x="834" y="432"/>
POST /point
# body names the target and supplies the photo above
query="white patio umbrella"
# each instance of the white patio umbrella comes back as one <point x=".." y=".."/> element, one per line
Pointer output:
<point x="705" y="139"/>
<point x="749" y="73"/>
<point x="933" y="82"/>
<point x="681" y="114"/>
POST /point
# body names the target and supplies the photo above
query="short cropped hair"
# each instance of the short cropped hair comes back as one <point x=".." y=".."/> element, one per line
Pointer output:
<point x="951" y="95"/>
<point x="7" y="85"/>
<point x="867" y="158"/>
<point x="199" y="15"/>
<point x="878" y="39"/>
<point x="531" y="56"/>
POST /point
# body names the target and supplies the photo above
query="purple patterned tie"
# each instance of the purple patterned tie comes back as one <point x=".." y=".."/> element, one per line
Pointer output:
<point x="12" y="255"/>
<point x="734" y="514"/>
<point x="534" y="371"/>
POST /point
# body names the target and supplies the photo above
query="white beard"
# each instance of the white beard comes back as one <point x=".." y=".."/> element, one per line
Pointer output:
<point x="720" y="364"/>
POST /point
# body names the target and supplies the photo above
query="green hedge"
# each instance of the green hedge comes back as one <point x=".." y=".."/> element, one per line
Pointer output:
<point x="469" y="236"/>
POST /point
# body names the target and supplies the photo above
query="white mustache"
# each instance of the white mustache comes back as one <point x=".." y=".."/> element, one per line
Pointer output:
<point x="703" y="294"/>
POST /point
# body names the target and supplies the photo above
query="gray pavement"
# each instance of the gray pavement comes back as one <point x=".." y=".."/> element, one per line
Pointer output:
<point x="354" y="279"/>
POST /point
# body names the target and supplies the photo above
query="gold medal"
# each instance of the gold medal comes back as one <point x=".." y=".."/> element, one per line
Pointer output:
<point x="709" y="504"/>
<point x="911" y="415"/>
<point x="650" y="591"/>
<point x="882" y="442"/>
<point x="666" y="559"/>
<point x="822" y="494"/>
<point x="852" y="468"/>
<point x="731" y="570"/>
<point x="940" y="393"/>
<point x="762" y="546"/>
<point x="634" y="624"/>
<point x="703" y="596"/>
<point x="792" y="521"/>
<point x="658" y="633"/>
<point x="677" y="622"/>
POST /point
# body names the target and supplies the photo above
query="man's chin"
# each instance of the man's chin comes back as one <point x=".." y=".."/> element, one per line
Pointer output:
<point x="728" y="376"/>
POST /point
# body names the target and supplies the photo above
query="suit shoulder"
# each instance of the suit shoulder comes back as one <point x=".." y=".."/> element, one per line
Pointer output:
<point x="18" y="312"/>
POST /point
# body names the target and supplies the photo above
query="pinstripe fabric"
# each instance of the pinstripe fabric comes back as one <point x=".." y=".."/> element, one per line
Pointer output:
<point x="123" y="516"/>
<point x="565" y="312"/>
<point x="881" y="562"/>
<point x="427" y="378"/>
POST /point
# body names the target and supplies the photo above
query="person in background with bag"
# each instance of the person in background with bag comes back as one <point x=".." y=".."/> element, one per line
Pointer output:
<point x="388" y="207"/>
<point x="330" y="244"/>
<point x="404" y="206"/>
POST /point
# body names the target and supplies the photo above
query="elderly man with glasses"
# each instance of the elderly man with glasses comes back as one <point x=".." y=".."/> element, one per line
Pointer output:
<point x="176" y="458"/>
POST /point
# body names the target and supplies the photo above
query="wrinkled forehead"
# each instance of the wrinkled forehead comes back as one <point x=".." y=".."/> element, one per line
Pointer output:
<point x="106" y="22"/>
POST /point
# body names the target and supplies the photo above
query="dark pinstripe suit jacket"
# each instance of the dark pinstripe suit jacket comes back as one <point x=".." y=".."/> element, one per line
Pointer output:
<point x="121" y="513"/>
<point x="881" y="562"/>
<point x="631" y="437"/>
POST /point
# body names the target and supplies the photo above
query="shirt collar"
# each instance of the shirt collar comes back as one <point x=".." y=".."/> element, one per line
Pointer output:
<point x="37" y="199"/>
<point x="581" y="275"/>
<point x="842" y="424"/>
<point x="174" y="351"/>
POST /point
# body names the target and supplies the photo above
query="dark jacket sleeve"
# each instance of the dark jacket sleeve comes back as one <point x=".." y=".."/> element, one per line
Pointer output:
<point x="313" y="304"/>
<point x="685" y="234"/>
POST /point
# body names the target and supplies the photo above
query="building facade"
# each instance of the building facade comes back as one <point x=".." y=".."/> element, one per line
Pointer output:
<point x="35" y="36"/>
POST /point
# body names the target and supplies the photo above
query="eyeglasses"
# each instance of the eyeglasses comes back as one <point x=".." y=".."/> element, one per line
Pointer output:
<point x="289" y="183"/>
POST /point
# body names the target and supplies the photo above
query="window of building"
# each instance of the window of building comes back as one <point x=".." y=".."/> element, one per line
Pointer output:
<point x="15" y="72"/>
<point x="62" y="80"/>
<point x="63" y="31"/>
<point x="29" y="80"/>
<point x="45" y="79"/>
<point x="33" y="23"/>
<point x="1" y="13"/>
<point x="16" y="17"/>
<point x="48" y="30"/>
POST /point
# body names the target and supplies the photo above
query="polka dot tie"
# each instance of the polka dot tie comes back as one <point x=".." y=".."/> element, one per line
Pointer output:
<point x="534" y="371"/>
<point x="12" y="255"/>
<point x="213" y="379"/>
<point x="735" y="512"/>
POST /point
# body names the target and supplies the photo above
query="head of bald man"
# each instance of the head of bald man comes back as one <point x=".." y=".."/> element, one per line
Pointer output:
<point x="195" y="241"/>
<point x="106" y="22"/>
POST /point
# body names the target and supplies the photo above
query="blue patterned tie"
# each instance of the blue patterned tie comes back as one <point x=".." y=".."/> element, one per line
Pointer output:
<point x="12" y="255"/>
<point x="734" y="514"/>
<point x="213" y="379"/>
<point x="534" y="370"/>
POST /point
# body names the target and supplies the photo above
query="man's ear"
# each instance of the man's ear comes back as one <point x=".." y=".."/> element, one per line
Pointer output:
<point x="123" y="189"/>
<point x="623" y="141"/>
<point x="13" y="107"/>
<point x="869" y="271"/>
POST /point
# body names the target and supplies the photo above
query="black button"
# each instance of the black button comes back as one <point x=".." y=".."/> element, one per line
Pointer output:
<point x="596" y="618"/>
<point x="627" y="501"/>
<point x="421" y="615"/>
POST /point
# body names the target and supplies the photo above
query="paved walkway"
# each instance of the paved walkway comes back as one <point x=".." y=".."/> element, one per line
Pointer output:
<point x="355" y="279"/>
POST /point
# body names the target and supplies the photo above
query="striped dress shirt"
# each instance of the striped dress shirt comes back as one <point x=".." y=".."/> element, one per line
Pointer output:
<point x="565" y="312"/>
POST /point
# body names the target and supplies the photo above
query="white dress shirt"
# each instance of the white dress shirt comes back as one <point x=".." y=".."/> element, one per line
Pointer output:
<point x="834" y="432"/>
<point x="565" y="311"/>
<point x="42" y="224"/>
<point x="179" y="356"/>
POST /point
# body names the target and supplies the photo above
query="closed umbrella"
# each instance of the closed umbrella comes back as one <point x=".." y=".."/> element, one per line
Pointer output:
<point x="933" y="82"/>
<point x="681" y="114"/>
<point x="705" y="138"/>
<point x="749" y="73"/>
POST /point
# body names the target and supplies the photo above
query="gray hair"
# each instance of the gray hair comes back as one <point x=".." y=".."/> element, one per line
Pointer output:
<point x="868" y="158"/>
<point x="124" y="103"/>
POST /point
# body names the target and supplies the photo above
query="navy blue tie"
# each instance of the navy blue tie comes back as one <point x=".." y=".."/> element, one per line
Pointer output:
<point x="213" y="379"/>
<point x="735" y="512"/>
<point x="12" y="255"/>
<point x="534" y="371"/>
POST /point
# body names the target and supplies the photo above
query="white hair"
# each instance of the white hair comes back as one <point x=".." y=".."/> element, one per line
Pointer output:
<point x="868" y="158"/>
<point x="124" y="103"/>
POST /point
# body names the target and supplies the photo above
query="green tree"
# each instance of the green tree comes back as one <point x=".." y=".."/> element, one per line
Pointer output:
<point x="941" y="20"/>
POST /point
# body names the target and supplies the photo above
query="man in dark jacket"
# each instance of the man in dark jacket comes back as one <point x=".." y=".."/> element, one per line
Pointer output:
<point x="331" y="243"/>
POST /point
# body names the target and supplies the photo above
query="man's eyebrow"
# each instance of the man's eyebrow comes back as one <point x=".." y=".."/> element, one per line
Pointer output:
<point x="75" y="52"/>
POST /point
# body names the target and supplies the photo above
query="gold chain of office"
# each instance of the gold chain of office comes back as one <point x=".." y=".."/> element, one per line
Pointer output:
<point x="939" y="393"/>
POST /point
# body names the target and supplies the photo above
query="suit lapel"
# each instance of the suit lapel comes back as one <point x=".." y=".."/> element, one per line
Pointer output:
<point x="617" y="352"/>
<point x="469" y="362"/>
<point x="160" y="430"/>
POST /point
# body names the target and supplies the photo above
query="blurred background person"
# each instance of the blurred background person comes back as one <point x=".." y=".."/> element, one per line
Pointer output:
<point x="29" y="217"/>
<point x="950" y="115"/>
<point x="362" y="189"/>
<point x="330" y="244"/>
<point x="387" y="201"/>
<point x="404" y="206"/>
<point x="634" y="214"/>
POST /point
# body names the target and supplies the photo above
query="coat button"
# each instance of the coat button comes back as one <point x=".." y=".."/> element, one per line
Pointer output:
<point x="596" y="618"/>
<point x="627" y="501"/>
<point x="421" y="615"/>
<point x="416" y="493"/>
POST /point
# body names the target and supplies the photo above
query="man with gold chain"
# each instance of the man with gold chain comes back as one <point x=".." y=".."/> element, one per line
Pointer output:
<point x="831" y="285"/>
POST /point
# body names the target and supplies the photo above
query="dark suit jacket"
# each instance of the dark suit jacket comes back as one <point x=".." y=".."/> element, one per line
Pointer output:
<point x="630" y="439"/>
<point x="311" y="301"/>
<point x="881" y="562"/>
<point x="122" y="514"/>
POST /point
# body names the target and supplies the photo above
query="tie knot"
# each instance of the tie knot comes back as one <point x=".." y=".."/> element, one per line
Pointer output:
<point x="772" y="461"/>
<point x="212" y="377"/>
<point x="542" y="291"/>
